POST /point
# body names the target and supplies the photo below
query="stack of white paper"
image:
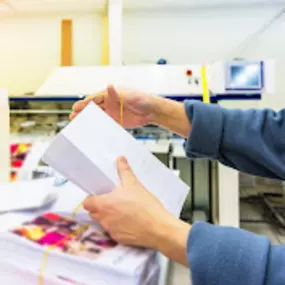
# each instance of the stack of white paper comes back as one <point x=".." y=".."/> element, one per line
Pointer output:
<point x="85" y="152"/>
<point x="12" y="274"/>
<point x="81" y="252"/>
<point x="24" y="237"/>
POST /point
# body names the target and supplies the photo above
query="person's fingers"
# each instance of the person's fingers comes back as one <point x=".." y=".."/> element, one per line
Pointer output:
<point x="104" y="224"/>
<point x="125" y="172"/>
<point x="79" y="105"/>
<point x="91" y="204"/>
<point x="113" y="93"/>
<point x="72" y="115"/>
<point x="97" y="98"/>
<point x="95" y="216"/>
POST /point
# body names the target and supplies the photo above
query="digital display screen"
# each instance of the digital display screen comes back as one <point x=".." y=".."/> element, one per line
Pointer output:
<point x="244" y="76"/>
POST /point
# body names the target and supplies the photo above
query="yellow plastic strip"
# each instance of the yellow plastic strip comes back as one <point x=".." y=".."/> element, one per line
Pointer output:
<point x="206" y="94"/>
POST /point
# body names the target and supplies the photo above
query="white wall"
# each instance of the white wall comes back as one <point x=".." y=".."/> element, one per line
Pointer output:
<point x="30" y="48"/>
<point x="203" y="35"/>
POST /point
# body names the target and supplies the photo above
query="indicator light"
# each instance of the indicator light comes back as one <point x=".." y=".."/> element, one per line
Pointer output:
<point x="189" y="72"/>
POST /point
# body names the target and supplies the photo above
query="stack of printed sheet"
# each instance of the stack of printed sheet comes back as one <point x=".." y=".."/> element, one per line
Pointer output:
<point x="51" y="247"/>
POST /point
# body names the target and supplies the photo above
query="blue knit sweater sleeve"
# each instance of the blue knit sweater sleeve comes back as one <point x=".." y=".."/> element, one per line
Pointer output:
<point x="251" y="141"/>
<point x="229" y="256"/>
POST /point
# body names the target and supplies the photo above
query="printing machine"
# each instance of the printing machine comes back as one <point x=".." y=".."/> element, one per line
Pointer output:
<point x="214" y="189"/>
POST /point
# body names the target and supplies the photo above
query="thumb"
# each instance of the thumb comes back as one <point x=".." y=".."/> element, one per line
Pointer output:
<point x="113" y="93"/>
<point x="125" y="172"/>
<point x="91" y="203"/>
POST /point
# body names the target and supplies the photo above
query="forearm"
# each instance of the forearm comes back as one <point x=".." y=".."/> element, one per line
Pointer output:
<point x="226" y="255"/>
<point x="171" y="115"/>
<point x="247" y="140"/>
<point x="171" y="240"/>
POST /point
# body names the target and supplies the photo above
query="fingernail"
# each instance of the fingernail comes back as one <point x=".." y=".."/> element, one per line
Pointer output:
<point x="123" y="163"/>
<point x="123" y="160"/>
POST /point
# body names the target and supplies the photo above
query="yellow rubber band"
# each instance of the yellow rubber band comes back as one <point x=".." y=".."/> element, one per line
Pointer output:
<point x="44" y="262"/>
<point x="76" y="210"/>
<point x="48" y="249"/>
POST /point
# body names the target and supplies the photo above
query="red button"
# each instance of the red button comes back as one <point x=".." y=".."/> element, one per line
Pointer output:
<point x="189" y="73"/>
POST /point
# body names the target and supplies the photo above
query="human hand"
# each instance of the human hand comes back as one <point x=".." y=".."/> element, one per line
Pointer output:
<point x="138" y="106"/>
<point x="129" y="213"/>
<point x="133" y="216"/>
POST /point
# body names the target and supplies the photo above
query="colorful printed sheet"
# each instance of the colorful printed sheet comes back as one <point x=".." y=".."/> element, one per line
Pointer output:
<point x="65" y="235"/>
<point x="18" y="154"/>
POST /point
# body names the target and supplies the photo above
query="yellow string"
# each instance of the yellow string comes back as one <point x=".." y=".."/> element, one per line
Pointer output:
<point x="76" y="210"/>
<point x="206" y="96"/>
<point x="48" y="249"/>
<point x="44" y="262"/>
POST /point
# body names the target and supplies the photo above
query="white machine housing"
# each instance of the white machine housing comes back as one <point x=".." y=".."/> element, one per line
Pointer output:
<point x="164" y="80"/>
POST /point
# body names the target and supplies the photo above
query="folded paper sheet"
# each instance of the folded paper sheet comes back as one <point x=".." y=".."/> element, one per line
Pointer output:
<point x="85" y="152"/>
